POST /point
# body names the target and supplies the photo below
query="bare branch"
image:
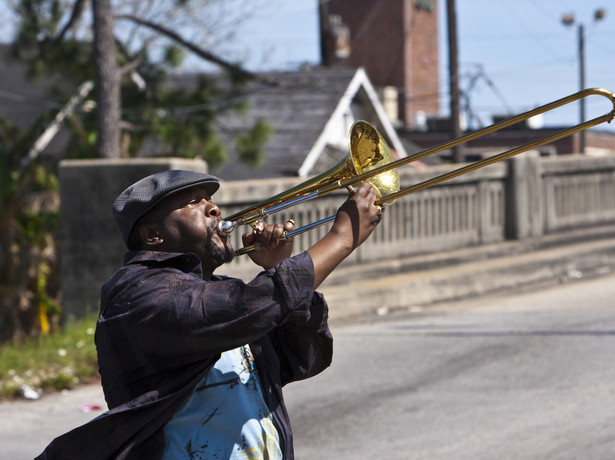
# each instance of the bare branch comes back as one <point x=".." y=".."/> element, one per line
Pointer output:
<point x="130" y="67"/>
<point x="78" y="8"/>
<point x="208" y="56"/>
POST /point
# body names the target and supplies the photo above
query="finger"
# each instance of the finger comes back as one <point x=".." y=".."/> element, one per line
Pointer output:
<point x="289" y="225"/>
<point x="259" y="226"/>
<point x="363" y="189"/>
<point x="373" y="190"/>
<point x="256" y="236"/>
<point x="247" y="238"/>
<point x="367" y="190"/>
<point x="266" y="235"/>
<point x="276" y="233"/>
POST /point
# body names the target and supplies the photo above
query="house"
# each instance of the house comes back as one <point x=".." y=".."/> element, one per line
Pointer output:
<point x="311" y="112"/>
<point x="397" y="45"/>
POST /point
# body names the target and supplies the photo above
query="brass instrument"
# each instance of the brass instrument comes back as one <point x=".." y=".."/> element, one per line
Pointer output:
<point x="370" y="159"/>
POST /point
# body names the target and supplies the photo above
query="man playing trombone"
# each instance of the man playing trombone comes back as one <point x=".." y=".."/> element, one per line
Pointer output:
<point x="193" y="363"/>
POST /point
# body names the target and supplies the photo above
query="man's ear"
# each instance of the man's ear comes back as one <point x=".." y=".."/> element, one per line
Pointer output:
<point x="150" y="235"/>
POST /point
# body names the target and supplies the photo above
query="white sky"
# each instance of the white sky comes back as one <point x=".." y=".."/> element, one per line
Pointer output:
<point x="521" y="46"/>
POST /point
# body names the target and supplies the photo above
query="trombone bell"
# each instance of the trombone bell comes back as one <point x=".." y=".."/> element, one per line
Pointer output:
<point x="370" y="151"/>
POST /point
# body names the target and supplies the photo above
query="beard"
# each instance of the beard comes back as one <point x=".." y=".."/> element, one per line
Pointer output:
<point x="219" y="253"/>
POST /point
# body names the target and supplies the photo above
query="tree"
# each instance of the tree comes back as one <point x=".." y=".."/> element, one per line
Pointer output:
<point x="133" y="63"/>
<point x="107" y="80"/>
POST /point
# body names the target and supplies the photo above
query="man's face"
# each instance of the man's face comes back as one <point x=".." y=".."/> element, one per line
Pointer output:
<point x="187" y="221"/>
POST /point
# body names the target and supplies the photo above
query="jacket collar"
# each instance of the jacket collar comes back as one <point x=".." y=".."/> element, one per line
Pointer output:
<point x="186" y="262"/>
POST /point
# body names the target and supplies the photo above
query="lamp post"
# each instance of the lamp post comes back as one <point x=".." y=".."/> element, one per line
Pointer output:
<point x="568" y="20"/>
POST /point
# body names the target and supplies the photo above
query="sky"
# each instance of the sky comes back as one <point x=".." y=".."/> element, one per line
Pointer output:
<point x="518" y="52"/>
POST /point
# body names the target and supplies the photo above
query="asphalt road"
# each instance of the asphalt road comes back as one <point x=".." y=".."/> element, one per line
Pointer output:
<point x="527" y="376"/>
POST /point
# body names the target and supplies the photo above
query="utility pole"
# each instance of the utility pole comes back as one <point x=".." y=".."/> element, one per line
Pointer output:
<point x="568" y="20"/>
<point x="453" y="76"/>
<point x="325" y="34"/>
<point x="582" y="84"/>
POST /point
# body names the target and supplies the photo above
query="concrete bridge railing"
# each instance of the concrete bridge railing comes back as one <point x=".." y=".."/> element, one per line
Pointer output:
<point x="524" y="197"/>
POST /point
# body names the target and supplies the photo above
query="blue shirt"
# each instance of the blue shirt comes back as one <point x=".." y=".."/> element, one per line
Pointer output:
<point x="226" y="416"/>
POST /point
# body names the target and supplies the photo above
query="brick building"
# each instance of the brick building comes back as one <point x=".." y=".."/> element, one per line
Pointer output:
<point x="396" y="41"/>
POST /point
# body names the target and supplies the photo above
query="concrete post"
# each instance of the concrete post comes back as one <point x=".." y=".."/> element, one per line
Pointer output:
<point x="91" y="245"/>
<point x="524" y="200"/>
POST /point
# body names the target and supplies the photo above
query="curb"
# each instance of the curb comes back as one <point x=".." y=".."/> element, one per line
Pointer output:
<point x="419" y="281"/>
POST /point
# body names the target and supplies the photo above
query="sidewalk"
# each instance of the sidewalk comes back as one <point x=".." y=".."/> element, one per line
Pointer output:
<point x="470" y="272"/>
<point x="26" y="427"/>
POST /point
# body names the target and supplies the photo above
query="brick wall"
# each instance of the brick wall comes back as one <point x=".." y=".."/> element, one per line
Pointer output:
<point x="396" y="41"/>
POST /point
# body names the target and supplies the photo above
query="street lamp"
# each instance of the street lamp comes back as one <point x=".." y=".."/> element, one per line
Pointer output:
<point x="568" y="20"/>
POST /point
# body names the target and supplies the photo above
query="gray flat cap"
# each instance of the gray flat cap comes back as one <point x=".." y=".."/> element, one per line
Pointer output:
<point x="142" y="196"/>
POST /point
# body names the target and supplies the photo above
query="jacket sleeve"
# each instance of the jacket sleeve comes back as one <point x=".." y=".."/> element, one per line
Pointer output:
<point x="158" y="321"/>
<point x="304" y="349"/>
<point x="303" y="342"/>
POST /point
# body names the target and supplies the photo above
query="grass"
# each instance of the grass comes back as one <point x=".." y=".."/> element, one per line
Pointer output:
<point x="53" y="362"/>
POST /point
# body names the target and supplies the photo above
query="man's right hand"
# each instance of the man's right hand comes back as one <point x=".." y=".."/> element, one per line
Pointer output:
<point x="358" y="217"/>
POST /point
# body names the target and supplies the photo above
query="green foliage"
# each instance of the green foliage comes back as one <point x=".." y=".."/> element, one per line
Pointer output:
<point x="178" y="116"/>
<point x="173" y="56"/>
<point x="249" y="145"/>
<point x="54" y="362"/>
<point x="29" y="274"/>
<point x="36" y="44"/>
<point x="177" y="119"/>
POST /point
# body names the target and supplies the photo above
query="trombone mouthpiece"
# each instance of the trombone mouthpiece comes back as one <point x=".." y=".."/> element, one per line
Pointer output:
<point x="225" y="227"/>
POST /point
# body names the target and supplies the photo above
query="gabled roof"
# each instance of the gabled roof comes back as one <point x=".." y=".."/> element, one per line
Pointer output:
<point x="311" y="112"/>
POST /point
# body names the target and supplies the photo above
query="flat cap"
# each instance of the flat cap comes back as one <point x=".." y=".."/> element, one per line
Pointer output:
<point x="141" y="197"/>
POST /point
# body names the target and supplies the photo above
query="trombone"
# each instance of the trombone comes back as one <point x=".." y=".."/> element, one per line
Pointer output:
<point x="370" y="159"/>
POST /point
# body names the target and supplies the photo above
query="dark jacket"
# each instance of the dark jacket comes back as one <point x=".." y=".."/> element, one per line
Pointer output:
<point x="162" y="327"/>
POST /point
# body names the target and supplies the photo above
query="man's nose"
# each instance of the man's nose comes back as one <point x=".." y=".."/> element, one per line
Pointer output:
<point x="213" y="210"/>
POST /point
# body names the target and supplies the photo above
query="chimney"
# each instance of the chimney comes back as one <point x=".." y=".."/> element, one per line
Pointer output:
<point x="396" y="41"/>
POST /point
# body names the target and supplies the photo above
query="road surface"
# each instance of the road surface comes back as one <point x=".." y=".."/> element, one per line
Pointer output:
<point x="529" y="376"/>
<point x="504" y="377"/>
